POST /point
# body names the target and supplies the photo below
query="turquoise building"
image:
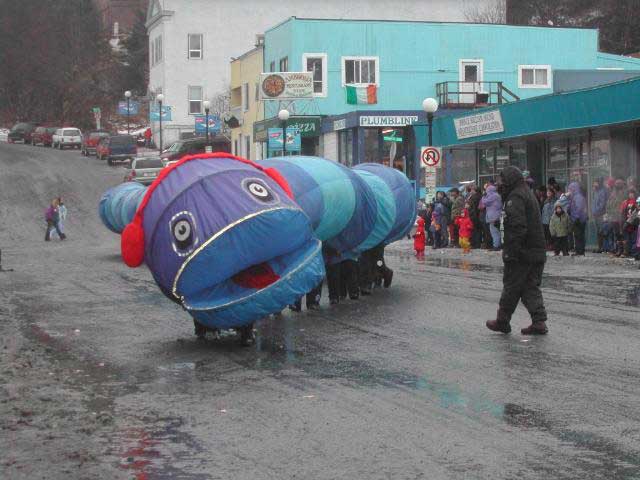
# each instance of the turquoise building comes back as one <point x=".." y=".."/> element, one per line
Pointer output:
<point x="464" y="66"/>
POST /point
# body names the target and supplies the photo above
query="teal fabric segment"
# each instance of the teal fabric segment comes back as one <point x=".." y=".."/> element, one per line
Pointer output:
<point x="338" y="194"/>
<point x="118" y="205"/>
<point x="386" y="210"/>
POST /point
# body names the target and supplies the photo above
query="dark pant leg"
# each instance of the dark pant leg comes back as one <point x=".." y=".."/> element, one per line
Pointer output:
<point x="47" y="235"/>
<point x="579" y="234"/>
<point x="514" y="279"/>
<point x="349" y="277"/>
<point x="333" y="281"/>
<point x="561" y="244"/>
<point x="365" y="271"/>
<point x="353" y="281"/>
<point x="486" y="232"/>
<point x="547" y="235"/>
<point x="532" y="295"/>
<point x="437" y="239"/>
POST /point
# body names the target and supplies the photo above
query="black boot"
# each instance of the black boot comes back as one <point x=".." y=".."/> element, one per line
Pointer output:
<point x="247" y="337"/>
<point x="388" y="277"/>
<point x="200" y="330"/>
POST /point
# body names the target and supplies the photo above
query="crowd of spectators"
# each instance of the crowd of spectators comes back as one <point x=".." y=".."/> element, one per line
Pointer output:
<point x="470" y="218"/>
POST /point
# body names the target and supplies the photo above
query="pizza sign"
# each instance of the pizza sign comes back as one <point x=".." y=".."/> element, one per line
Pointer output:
<point x="286" y="85"/>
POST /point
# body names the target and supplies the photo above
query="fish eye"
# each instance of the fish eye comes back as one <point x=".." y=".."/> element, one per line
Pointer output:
<point x="183" y="233"/>
<point x="259" y="190"/>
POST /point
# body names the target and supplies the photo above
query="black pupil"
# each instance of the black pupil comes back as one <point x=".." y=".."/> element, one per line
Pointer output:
<point x="259" y="191"/>
<point x="182" y="234"/>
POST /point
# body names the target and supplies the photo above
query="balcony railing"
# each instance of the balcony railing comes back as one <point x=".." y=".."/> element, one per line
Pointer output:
<point x="473" y="94"/>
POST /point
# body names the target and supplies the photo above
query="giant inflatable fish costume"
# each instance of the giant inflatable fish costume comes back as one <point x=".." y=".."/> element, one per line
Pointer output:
<point x="233" y="241"/>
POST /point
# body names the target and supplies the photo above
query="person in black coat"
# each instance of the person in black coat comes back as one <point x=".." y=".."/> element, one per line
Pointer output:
<point x="523" y="255"/>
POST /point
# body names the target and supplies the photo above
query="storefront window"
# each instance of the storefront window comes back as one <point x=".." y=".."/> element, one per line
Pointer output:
<point x="578" y="153"/>
<point x="371" y="145"/>
<point x="518" y="157"/>
<point x="557" y="155"/>
<point x="487" y="161"/>
<point x="459" y="165"/>
<point x="600" y="152"/>
<point x="502" y="158"/>
<point x="345" y="147"/>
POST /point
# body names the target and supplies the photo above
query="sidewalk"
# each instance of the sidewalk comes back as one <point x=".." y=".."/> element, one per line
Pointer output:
<point x="591" y="264"/>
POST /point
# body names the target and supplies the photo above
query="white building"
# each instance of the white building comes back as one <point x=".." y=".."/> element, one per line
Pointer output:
<point x="191" y="42"/>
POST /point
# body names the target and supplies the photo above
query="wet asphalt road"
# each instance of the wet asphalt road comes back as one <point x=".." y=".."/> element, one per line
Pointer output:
<point x="405" y="384"/>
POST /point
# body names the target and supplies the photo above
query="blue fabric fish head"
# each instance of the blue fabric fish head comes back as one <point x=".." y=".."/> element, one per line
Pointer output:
<point x="224" y="239"/>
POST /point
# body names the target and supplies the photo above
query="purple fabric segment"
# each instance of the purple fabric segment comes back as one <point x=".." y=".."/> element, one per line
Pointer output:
<point x="206" y="196"/>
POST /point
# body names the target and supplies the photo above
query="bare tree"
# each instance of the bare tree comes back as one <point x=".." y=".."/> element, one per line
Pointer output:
<point x="493" y="11"/>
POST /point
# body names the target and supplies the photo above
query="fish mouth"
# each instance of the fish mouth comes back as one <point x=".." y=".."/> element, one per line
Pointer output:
<point x="259" y="253"/>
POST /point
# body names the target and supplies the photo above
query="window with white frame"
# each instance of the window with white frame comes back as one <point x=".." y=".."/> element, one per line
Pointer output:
<point x="245" y="97"/>
<point x="195" y="100"/>
<point x="247" y="147"/>
<point x="360" y="70"/>
<point x="316" y="63"/>
<point x="534" y="76"/>
<point x="284" y="64"/>
<point x="195" y="46"/>
<point x="158" y="49"/>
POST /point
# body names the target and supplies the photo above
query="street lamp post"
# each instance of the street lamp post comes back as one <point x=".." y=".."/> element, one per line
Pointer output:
<point x="283" y="115"/>
<point x="127" y="94"/>
<point x="207" y="106"/>
<point x="160" y="98"/>
<point x="430" y="106"/>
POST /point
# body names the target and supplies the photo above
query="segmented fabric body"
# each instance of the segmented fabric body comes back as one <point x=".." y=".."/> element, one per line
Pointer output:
<point x="352" y="210"/>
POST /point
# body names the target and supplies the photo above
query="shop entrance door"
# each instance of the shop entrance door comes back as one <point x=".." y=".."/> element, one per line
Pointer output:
<point x="471" y="75"/>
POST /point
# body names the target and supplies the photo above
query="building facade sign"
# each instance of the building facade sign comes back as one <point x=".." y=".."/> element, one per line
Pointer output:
<point x="286" y="85"/>
<point x="340" y="124"/>
<point x="387" y="120"/>
<point x="307" y="126"/>
<point x="276" y="138"/>
<point x="479" y="125"/>
<point x="214" y="124"/>
<point x="154" y="114"/>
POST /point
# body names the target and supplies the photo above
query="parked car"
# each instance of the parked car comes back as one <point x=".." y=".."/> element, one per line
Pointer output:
<point x="21" y="132"/>
<point x="179" y="149"/>
<point x="90" y="141"/>
<point x="144" y="170"/>
<point x="67" y="137"/>
<point x="116" y="147"/>
<point x="43" y="136"/>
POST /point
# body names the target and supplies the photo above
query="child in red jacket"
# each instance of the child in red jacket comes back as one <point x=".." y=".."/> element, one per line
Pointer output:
<point x="465" y="228"/>
<point x="420" y="238"/>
